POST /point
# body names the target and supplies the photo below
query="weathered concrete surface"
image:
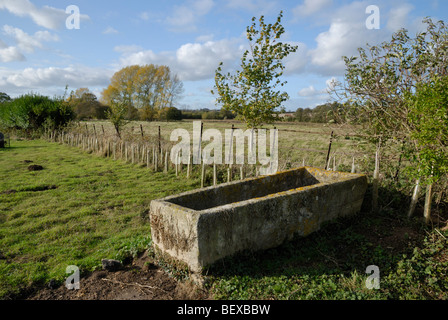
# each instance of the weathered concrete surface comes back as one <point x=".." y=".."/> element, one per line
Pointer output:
<point x="199" y="227"/>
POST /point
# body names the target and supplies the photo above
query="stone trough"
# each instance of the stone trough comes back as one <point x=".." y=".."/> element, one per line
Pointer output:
<point x="200" y="227"/>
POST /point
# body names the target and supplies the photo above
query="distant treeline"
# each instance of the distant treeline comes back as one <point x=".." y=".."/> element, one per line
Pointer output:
<point x="30" y="112"/>
<point x="324" y="113"/>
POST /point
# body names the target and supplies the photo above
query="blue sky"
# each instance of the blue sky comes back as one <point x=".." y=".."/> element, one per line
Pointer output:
<point x="38" y="53"/>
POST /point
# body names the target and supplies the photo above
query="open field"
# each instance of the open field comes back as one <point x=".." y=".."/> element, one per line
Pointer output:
<point x="82" y="207"/>
<point x="298" y="142"/>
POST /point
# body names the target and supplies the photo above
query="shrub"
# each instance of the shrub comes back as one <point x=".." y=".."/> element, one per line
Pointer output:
<point x="33" y="112"/>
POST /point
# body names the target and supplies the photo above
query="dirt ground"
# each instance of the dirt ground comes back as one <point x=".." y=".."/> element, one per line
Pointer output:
<point x="140" y="280"/>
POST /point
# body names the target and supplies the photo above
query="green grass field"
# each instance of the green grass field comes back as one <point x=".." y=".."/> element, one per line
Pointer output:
<point x="94" y="208"/>
<point x="82" y="207"/>
<point x="298" y="143"/>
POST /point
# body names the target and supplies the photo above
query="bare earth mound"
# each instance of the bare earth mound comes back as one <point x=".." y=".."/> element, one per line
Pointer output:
<point x="139" y="281"/>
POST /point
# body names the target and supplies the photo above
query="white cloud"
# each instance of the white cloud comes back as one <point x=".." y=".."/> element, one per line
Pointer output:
<point x="312" y="92"/>
<point x="310" y="7"/>
<point x="205" y="38"/>
<point x="110" y="30"/>
<point x="297" y="62"/>
<point x="45" y="78"/>
<point x="184" y="17"/>
<point x="258" y="7"/>
<point x="331" y="84"/>
<point x="398" y="17"/>
<point x="191" y="61"/>
<point x="347" y="32"/>
<point x="29" y="43"/>
<point x="144" y="15"/>
<point x="332" y="45"/>
<point x="11" y="54"/>
<point x="308" y="92"/>
<point x="47" y="17"/>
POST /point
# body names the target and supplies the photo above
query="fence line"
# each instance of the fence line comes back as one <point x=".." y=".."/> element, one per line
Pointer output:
<point x="153" y="152"/>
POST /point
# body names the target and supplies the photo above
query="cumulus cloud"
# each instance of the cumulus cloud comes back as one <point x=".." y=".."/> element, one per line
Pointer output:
<point x="312" y="92"/>
<point x="310" y="7"/>
<point x="11" y="54"/>
<point x="47" y="17"/>
<point x="308" y="92"/>
<point x="297" y="62"/>
<point x="110" y="30"/>
<point x="26" y="42"/>
<point x="184" y="17"/>
<point x="43" y="78"/>
<point x="191" y="61"/>
<point x="347" y="32"/>
<point x="398" y="17"/>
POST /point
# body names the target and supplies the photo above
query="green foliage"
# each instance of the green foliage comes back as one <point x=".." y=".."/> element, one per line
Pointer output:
<point x="86" y="105"/>
<point x="378" y="79"/>
<point x="428" y="117"/>
<point x="33" y="112"/>
<point x="4" y="97"/>
<point x="422" y="274"/>
<point x="250" y="93"/>
<point x="117" y="116"/>
<point x="147" y="87"/>
<point x="325" y="113"/>
<point x="170" y="114"/>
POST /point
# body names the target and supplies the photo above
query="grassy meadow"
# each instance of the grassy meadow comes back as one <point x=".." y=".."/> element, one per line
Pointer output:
<point x="79" y="209"/>
<point x="82" y="207"/>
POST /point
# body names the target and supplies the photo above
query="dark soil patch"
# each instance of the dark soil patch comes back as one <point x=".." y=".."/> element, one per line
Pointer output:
<point x="140" y="280"/>
<point x="35" y="167"/>
<point x="8" y="192"/>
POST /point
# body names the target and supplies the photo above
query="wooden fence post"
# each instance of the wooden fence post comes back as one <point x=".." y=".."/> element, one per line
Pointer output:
<point x="189" y="166"/>
<point x="428" y="203"/>
<point x="375" y="183"/>
<point x="166" y="162"/>
<point x="160" y="137"/>
<point x="414" y="199"/>
<point x="203" y="175"/>
<point x="215" y="178"/>
<point x="329" y="150"/>
<point x="428" y="200"/>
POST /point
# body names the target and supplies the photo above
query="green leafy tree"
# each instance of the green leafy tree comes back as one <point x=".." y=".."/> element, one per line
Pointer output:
<point x="170" y="114"/>
<point x="4" y="97"/>
<point x="117" y="116"/>
<point x="428" y="118"/>
<point x="34" y="112"/>
<point x="382" y="88"/>
<point x="86" y="105"/>
<point x="251" y="92"/>
<point x="379" y="78"/>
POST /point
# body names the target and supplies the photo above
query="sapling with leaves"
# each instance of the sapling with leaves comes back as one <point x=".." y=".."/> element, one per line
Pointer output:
<point x="251" y="92"/>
